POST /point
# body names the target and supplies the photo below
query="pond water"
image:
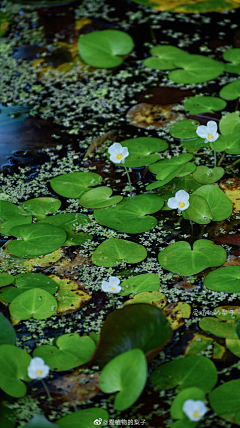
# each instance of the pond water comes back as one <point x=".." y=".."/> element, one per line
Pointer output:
<point x="59" y="116"/>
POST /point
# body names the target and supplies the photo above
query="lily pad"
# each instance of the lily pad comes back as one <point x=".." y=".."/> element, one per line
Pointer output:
<point x="198" y="344"/>
<point x="35" y="303"/>
<point x="164" y="167"/>
<point x="229" y="144"/>
<point x="154" y="298"/>
<point x="142" y="150"/>
<point x="194" y="371"/>
<point x="199" y="210"/>
<point x="6" y="279"/>
<point x="140" y="283"/>
<point x="176" y="313"/>
<point x="167" y="57"/>
<point x="149" y="331"/>
<point x="8" y="210"/>
<point x="196" y="69"/>
<point x="70" y="351"/>
<point x="234" y="346"/>
<point x="174" y="173"/>
<point x="99" y="198"/>
<point x="231" y="91"/>
<point x="112" y="251"/>
<point x="233" y="56"/>
<point x="187" y="183"/>
<point x="194" y="144"/>
<point x="74" y="184"/>
<point x="37" y="240"/>
<point x="219" y="203"/>
<point x="7" y="332"/>
<point x="84" y="418"/>
<point x="13" y="370"/>
<point x="225" y="401"/>
<point x="69" y="222"/>
<point x="184" y="129"/>
<point x="219" y="327"/>
<point x="201" y="104"/>
<point x="69" y="298"/>
<point x="130" y="215"/>
<point x="177" y="404"/>
<point x="103" y="49"/>
<point x="205" y="175"/>
<point x="7" y="225"/>
<point x="226" y="279"/>
<point x="230" y="124"/>
<point x="40" y="207"/>
<point x="127" y="375"/>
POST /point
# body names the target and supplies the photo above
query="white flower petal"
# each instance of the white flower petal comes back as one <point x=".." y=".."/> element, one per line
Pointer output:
<point x="115" y="148"/>
<point x="186" y="202"/>
<point x="182" y="196"/>
<point x="194" y="409"/>
<point x="202" y="131"/>
<point x="212" y="127"/>
<point x="125" y="152"/>
<point x="215" y="137"/>
<point x="114" y="281"/>
<point x="114" y="158"/>
<point x="37" y="368"/>
<point x="172" y="203"/>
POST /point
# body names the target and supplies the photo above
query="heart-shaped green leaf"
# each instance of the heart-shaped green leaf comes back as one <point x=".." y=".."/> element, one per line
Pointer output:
<point x="142" y="150"/>
<point x="8" y="210"/>
<point x="233" y="56"/>
<point x="164" y="167"/>
<point x="70" y="351"/>
<point x="229" y="144"/>
<point x="14" y="362"/>
<point x="225" y="279"/>
<point x="187" y="183"/>
<point x="99" y="198"/>
<point x="176" y="410"/>
<point x="74" y="184"/>
<point x="186" y="372"/>
<point x="205" y="175"/>
<point x="201" y="104"/>
<point x="192" y="64"/>
<point x="184" y="129"/>
<point x="152" y="297"/>
<point x="194" y="144"/>
<point x="167" y="56"/>
<point x="7" y="225"/>
<point x="112" y="251"/>
<point x="181" y="259"/>
<point x="225" y="401"/>
<point x="230" y="124"/>
<point x="40" y="207"/>
<point x="219" y="203"/>
<point x="7" y="332"/>
<point x="199" y="210"/>
<point x="149" y="331"/>
<point x="220" y="327"/>
<point x="103" y="49"/>
<point x="126" y="373"/>
<point x="140" y="283"/>
<point x="6" y="279"/>
<point x="35" y="303"/>
<point x="231" y="91"/>
<point x="130" y="215"/>
<point x="37" y="239"/>
<point x="84" y="418"/>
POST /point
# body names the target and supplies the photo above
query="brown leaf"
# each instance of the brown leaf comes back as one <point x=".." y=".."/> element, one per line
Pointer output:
<point x="70" y="268"/>
<point x="99" y="141"/>
<point x="77" y="387"/>
<point x="164" y="95"/>
<point x="231" y="187"/>
<point x="203" y="118"/>
<point x="176" y="313"/>
<point x="153" y="116"/>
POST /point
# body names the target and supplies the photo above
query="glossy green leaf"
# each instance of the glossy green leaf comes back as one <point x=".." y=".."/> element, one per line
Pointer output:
<point x="7" y="331"/>
<point x="230" y="124"/>
<point x="193" y="371"/>
<point x="231" y="91"/>
<point x="226" y="279"/>
<point x="219" y="327"/>
<point x="205" y="175"/>
<point x="174" y="173"/>
<point x="201" y="104"/>
<point x="225" y="401"/>
<point x="229" y="144"/>
<point x="149" y="331"/>
<point x="164" y="167"/>
<point x="194" y="144"/>
<point x="181" y="259"/>
<point x="40" y="207"/>
<point x="184" y="423"/>
<point x="74" y="184"/>
<point x="142" y="150"/>
<point x="112" y="251"/>
<point x="8" y="210"/>
<point x="70" y="351"/>
<point x="219" y="203"/>
<point x="198" y="344"/>
<point x="187" y="183"/>
<point x="6" y="279"/>
<point x="140" y="283"/>
<point x="69" y="222"/>
<point x="166" y="57"/>
<point x="184" y="129"/>
<point x="234" y="346"/>
<point x="6" y="417"/>
<point x="39" y="421"/>
<point x="84" y="418"/>
<point x="14" y="362"/>
<point x="199" y="210"/>
<point x="193" y="393"/>
<point x="7" y="225"/>
<point x="103" y="49"/>
<point x="196" y="69"/>
<point x="130" y="215"/>
<point x="152" y="297"/>
<point x="37" y="240"/>
<point x="125" y="374"/>
<point x="35" y="303"/>
<point x="233" y="56"/>
<point x="99" y="198"/>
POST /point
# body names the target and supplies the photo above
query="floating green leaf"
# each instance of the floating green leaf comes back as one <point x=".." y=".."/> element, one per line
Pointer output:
<point x="140" y="283"/>
<point x="74" y="184"/>
<point x="184" y="129"/>
<point x="8" y="210"/>
<point x="112" y="251"/>
<point x="233" y="56"/>
<point x="199" y="210"/>
<point x="35" y="303"/>
<point x="193" y="393"/>
<point x="181" y="259"/>
<point x="231" y="91"/>
<point x="37" y="240"/>
<point x="84" y="418"/>
<point x="149" y="331"/>
<point x="234" y="346"/>
<point x="205" y="175"/>
<point x="103" y="49"/>
<point x="70" y="298"/>
<point x="99" y="198"/>
<point x="194" y="144"/>
<point x="40" y="207"/>
<point x="126" y="373"/>
<point x="7" y="332"/>
<point x="219" y="203"/>
<point x="198" y="344"/>
<point x="192" y="64"/>
<point x="174" y="173"/>
<point x="187" y="183"/>
<point x="142" y="150"/>
<point x="225" y="401"/>
<point x="167" y="57"/>
<point x="6" y="279"/>
<point x="164" y="167"/>
<point x="201" y="104"/>
<point x="197" y="371"/>
<point x="152" y="297"/>
<point x="218" y="327"/>
<point x="176" y="313"/>
<point x="13" y="369"/>
<point x="69" y="222"/>
<point x="7" y="225"/>
<point x="230" y="124"/>
<point x="130" y="215"/>
<point x="226" y="279"/>
<point x="229" y="144"/>
<point x="70" y="351"/>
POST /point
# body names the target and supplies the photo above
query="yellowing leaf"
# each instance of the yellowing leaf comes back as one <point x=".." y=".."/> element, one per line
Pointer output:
<point x="176" y="314"/>
<point x="70" y="298"/>
<point x="198" y="344"/>
<point x="155" y="298"/>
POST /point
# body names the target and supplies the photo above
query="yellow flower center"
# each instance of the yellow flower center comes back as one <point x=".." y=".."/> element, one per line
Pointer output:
<point x="112" y="288"/>
<point x="119" y="156"/>
<point x="39" y="372"/>
<point x="196" y="414"/>
<point x="210" y="136"/>
<point x="181" y="204"/>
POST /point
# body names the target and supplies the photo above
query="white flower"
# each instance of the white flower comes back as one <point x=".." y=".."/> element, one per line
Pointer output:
<point x="118" y="153"/>
<point x="208" y="132"/>
<point x="194" y="409"/>
<point x="181" y="201"/>
<point x="111" y="286"/>
<point x="37" y="368"/>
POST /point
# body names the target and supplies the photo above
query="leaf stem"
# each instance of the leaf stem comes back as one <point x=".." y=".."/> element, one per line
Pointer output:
<point x="128" y="177"/>
<point x="46" y="389"/>
<point x="235" y="163"/>
<point x="215" y="155"/>
<point x="237" y="105"/>
<point x="222" y="158"/>
<point x="191" y="228"/>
